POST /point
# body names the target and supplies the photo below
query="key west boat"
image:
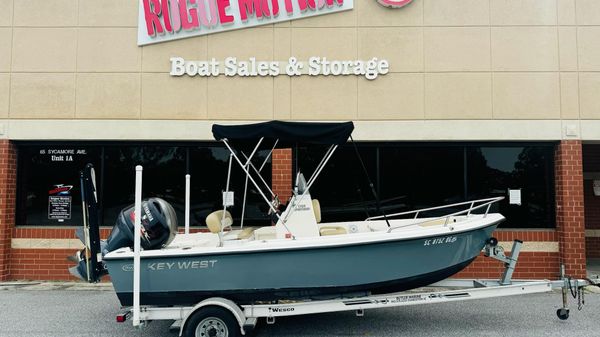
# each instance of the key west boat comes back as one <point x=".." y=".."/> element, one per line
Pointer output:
<point x="299" y="257"/>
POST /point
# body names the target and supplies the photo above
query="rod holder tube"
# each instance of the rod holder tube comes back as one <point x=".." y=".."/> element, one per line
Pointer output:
<point x="136" y="245"/>
<point x="187" y="203"/>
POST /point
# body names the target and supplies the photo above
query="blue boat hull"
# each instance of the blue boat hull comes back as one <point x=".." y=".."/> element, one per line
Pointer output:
<point x="349" y="270"/>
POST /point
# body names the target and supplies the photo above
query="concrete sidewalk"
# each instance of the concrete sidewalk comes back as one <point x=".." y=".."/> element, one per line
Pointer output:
<point x="45" y="285"/>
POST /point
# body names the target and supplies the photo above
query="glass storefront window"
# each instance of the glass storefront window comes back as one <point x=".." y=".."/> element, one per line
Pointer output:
<point x="163" y="177"/>
<point x="405" y="176"/>
<point x="412" y="176"/>
<point x="491" y="171"/>
<point x="48" y="188"/>
<point x="42" y="174"/>
<point x="421" y="176"/>
<point x="342" y="188"/>
<point x="208" y="169"/>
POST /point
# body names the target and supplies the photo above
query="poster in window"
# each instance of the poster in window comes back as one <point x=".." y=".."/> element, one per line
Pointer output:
<point x="59" y="202"/>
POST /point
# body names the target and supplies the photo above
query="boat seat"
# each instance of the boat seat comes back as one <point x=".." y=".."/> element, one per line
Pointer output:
<point x="213" y="221"/>
<point x="317" y="209"/>
<point x="265" y="233"/>
<point x="239" y="234"/>
<point x="332" y="230"/>
<point x="194" y="240"/>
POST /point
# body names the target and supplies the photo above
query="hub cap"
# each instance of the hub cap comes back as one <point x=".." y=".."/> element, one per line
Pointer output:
<point x="212" y="327"/>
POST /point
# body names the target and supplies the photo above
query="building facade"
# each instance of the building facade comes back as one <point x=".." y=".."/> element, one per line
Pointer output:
<point x="479" y="97"/>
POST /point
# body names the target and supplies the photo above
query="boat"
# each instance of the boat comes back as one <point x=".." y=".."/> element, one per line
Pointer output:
<point x="299" y="257"/>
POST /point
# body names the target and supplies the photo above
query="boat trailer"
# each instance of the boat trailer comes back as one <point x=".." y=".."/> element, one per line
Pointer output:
<point x="223" y="317"/>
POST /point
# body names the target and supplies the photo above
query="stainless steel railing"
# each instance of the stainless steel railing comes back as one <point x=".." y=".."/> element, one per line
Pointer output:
<point x="473" y="205"/>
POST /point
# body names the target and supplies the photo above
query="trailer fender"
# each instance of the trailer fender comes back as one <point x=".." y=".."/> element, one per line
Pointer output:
<point x="229" y="305"/>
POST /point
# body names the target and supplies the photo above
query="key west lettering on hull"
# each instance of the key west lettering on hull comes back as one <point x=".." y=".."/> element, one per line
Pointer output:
<point x="181" y="265"/>
<point x="164" y="20"/>
<point x="197" y="264"/>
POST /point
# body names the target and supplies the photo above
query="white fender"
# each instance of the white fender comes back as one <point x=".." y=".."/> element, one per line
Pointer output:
<point x="219" y="302"/>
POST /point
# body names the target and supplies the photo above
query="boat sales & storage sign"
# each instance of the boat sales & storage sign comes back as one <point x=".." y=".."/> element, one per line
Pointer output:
<point x="165" y="20"/>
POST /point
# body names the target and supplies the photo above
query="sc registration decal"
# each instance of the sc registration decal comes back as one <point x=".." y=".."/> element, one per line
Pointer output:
<point x="394" y="3"/>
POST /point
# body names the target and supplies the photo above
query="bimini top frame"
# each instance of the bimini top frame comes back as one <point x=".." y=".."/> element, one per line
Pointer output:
<point x="282" y="134"/>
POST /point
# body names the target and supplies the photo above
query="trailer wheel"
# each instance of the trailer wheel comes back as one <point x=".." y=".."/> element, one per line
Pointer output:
<point x="562" y="313"/>
<point x="212" y="322"/>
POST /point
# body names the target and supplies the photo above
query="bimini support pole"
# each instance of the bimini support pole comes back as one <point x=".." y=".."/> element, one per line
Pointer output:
<point x="322" y="163"/>
<point x="248" y="163"/>
<point x="245" y="169"/>
<point x="187" y="204"/>
<point x="136" y="245"/>
<point x="312" y="179"/>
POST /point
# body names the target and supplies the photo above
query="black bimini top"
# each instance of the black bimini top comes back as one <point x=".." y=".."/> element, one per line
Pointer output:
<point x="287" y="132"/>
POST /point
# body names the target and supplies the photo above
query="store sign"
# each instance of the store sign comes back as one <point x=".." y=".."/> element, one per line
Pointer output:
<point x="165" y="20"/>
<point x="394" y="3"/>
<point x="314" y="66"/>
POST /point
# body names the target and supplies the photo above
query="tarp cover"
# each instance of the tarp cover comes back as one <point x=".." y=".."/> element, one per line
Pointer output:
<point x="287" y="132"/>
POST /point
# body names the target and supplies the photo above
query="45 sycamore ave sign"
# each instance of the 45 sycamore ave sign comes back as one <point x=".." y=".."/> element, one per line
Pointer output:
<point x="164" y="20"/>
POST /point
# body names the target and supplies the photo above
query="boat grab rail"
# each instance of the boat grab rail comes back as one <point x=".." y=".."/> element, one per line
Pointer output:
<point x="473" y="205"/>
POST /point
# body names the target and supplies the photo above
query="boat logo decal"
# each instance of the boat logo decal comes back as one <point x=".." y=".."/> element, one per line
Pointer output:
<point x="439" y="241"/>
<point x="301" y="207"/>
<point x="60" y="189"/>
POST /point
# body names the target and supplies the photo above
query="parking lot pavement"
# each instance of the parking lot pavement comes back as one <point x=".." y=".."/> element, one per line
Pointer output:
<point x="64" y="311"/>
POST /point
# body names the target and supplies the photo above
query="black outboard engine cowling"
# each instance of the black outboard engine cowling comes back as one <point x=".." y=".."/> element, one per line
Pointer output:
<point x="159" y="226"/>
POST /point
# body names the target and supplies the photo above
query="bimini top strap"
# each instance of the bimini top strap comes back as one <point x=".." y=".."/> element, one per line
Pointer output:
<point x="287" y="132"/>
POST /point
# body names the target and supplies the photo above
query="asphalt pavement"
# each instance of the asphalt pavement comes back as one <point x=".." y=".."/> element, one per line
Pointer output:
<point x="59" y="310"/>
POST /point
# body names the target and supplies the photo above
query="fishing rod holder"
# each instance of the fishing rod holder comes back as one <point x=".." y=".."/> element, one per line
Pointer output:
<point x="493" y="250"/>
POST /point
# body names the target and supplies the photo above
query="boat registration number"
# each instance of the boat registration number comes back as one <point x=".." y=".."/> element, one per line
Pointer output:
<point x="439" y="241"/>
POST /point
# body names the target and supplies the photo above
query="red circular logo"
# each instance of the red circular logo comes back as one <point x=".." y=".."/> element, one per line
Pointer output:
<point x="394" y="3"/>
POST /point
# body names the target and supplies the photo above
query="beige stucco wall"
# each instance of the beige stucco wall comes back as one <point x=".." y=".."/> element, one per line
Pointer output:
<point x="502" y="62"/>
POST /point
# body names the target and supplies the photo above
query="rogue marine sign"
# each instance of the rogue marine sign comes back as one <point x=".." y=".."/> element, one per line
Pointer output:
<point x="164" y="20"/>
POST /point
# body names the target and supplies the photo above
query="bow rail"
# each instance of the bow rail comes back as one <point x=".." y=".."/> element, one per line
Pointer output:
<point x="473" y="205"/>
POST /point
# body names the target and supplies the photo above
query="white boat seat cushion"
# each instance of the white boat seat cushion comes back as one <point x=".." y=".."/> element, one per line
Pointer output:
<point x="265" y="233"/>
<point x="213" y="221"/>
<point x="194" y="240"/>
<point x="239" y="234"/>
<point x="332" y="230"/>
<point x="317" y="209"/>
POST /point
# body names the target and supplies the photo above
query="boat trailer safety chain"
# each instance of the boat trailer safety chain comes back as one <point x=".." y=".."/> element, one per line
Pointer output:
<point x="578" y="291"/>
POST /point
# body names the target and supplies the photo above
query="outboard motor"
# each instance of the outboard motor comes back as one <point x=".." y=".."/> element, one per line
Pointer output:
<point x="158" y="228"/>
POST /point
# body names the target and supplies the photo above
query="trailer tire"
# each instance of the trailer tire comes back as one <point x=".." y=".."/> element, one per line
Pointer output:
<point x="212" y="322"/>
<point x="562" y="313"/>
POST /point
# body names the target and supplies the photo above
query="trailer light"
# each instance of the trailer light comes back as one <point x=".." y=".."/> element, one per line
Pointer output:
<point x="122" y="317"/>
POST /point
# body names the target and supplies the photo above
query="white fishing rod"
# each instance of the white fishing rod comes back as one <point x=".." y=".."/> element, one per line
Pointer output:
<point x="187" y="204"/>
<point x="136" y="245"/>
